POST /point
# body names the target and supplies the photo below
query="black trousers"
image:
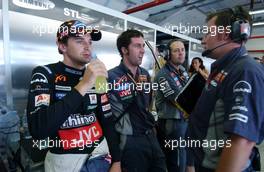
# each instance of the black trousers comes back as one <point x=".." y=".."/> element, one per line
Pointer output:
<point x="142" y="153"/>
<point x="202" y="169"/>
<point x="173" y="130"/>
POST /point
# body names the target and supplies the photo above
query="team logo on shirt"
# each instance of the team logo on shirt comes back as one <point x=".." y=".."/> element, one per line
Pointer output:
<point x="213" y="83"/>
<point x="39" y="88"/>
<point x="216" y="79"/>
<point x="78" y="137"/>
<point x="239" y="117"/>
<point x="220" y="77"/>
<point x="93" y="98"/>
<point x="106" y="107"/>
<point x="60" y="78"/>
<point x="167" y="91"/>
<point x="241" y="108"/>
<point x="60" y="95"/>
<point x="122" y="79"/>
<point x="62" y="88"/>
<point x="38" y="78"/>
<point x="242" y="86"/>
<point x="185" y="74"/>
<point x="78" y="120"/>
<point x="124" y="93"/>
<point x="104" y="98"/>
<point x="239" y="99"/>
<point x="121" y="84"/>
<point x="175" y="78"/>
<point x="142" y="78"/>
<point x="91" y="107"/>
<point x="107" y="115"/>
<point x="42" y="99"/>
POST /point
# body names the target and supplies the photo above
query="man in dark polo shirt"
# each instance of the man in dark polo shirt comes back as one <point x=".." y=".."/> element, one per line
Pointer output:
<point x="171" y="122"/>
<point x="130" y="99"/>
<point x="227" y="121"/>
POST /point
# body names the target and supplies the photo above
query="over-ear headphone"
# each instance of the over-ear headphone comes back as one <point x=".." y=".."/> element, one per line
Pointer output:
<point x="240" y="28"/>
<point x="168" y="49"/>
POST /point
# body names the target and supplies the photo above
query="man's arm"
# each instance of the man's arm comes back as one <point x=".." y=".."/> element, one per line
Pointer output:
<point x="168" y="86"/>
<point x="112" y="136"/>
<point x="107" y="121"/>
<point x="243" y="99"/>
<point x="44" y="116"/>
<point x="235" y="157"/>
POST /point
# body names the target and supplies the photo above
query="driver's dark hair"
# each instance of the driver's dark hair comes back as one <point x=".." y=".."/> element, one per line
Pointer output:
<point x="124" y="39"/>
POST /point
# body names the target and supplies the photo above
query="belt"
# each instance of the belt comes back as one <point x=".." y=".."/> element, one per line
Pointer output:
<point x="149" y="131"/>
<point x="179" y="119"/>
<point x="145" y="133"/>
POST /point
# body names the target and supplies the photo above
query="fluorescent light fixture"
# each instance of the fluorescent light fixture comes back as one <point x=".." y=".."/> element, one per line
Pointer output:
<point x="103" y="23"/>
<point x="256" y="12"/>
<point x="90" y="18"/>
<point x="107" y="25"/>
<point x="258" y="24"/>
<point x="145" y="31"/>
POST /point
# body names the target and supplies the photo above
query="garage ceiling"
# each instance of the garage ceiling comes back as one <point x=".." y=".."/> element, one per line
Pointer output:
<point x="186" y="12"/>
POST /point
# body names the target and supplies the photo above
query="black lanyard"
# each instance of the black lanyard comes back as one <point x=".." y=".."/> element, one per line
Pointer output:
<point x="178" y="74"/>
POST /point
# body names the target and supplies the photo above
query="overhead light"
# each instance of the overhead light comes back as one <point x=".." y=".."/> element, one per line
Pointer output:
<point x="107" y="25"/>
<point x="103" y="23"/>
<point x="256" y="12"/>
<point x="258" y="24"/>
<point x="145" y="31"/>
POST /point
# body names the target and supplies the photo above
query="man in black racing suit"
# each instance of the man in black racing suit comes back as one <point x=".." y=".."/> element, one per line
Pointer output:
<point x="64" y="109"/>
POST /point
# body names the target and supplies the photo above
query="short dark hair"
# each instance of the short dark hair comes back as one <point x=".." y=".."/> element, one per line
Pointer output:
<point x="228" y="16"/>
<point x="124" y="39"/>
<point x="63" y="41"/>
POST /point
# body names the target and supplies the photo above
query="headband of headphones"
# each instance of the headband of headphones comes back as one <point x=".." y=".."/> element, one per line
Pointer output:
<point x="168" y="53"/>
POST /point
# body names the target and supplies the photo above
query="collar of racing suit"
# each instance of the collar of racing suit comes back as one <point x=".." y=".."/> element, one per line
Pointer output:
<point x="128" y="72"/>
<point x="179" y="73"/>
<point x="173" y="69"/>
<point x="229" y="58"/>
<point x="72" y="70"/>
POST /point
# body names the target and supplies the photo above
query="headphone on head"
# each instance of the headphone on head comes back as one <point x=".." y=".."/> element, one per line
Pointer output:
<point x="240" y="28"/>
<point x="168" y="49"/>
